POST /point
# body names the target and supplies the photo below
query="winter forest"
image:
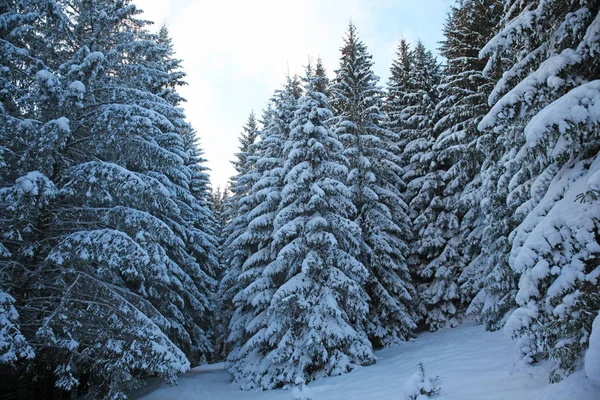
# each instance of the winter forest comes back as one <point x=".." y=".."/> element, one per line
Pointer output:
<point x="464" y="188"/>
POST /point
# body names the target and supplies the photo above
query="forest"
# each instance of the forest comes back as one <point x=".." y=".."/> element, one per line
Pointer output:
<point x="465" y="188"/>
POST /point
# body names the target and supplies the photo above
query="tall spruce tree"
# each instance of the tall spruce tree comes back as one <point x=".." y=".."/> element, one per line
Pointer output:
<point x="397" y="89"/>
<point x="412" y="98"/>
<point x="545" y="124"/>
<point x="254" y="290"/>
<point x="451" y="221"/>
<point x="251" y="246"/>
<point x="98" y="217"/>
<point x="193" y="178"/>
<point x="21" y="52"/>
<point x="375" y="183"/>
<point x="314" y="322"/>
<point x="416" y="120"/>
<point x="218" y="204"/>
<point x="322" y="83"/>
<point x="236" y="212"/>
<point x="465" y="90"/>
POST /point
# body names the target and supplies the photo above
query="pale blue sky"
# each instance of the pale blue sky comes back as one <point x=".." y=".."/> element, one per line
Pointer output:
<point x="236" y="52"/>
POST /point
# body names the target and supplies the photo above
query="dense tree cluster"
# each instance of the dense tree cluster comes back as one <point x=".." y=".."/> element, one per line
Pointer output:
<point x="357" y="213"/>
<point x="462" y="190"/>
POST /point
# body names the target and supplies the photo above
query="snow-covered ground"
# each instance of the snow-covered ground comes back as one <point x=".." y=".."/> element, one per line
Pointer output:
<point x="473" y="364"/>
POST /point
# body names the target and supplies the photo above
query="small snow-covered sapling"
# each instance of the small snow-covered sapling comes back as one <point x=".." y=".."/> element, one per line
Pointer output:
<point x="421" y="386"/>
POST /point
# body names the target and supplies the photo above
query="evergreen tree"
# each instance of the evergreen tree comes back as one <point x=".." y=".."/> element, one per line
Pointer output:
<point x="375" y="182"/>
<point x="13" y="345"/>
<point x="236" y="213"/>
<point x="397" y="90"/>
<point x="21" y="52"/>
<point x="314" y="322"/>
<point x="470" y="26"/>
<point x="99" y="224"/>
<point x="416" y="120"/>
<point x="544" y="125"/>
<point x="218" y="205"/>
<point x="450" y="224"/>
<point x="412" y="97"/>
<point x="174" y="77"/>
<point x="322" y="83"/>
<point x="193" y="178"/>
<point x="252" y="293"/>
<point x="245" y="161"/>
<point x="188" y="302"/>
<point x="240" y="186"/>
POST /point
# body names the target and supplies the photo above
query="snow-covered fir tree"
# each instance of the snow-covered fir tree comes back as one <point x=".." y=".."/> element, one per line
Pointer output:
<point x="240" y="185"/>
<point x="173" y="76"/>
<point x="315" y="317"/>
<point x="218" y="204"/>
<point x="165" y="85"/>
<point x="412" y="98"/>
<point x="99" y="222"/>
<point x="262" y="203"/>
<point x="546" y="123"/>
<point x="397" y="89"/>
<point x="470" y="26"/>
<point x="414" y="125"/>
<point x="200" y="188"/>
<point x="236" y="213"/>
<point x="19" y="56"/>
<point x="375" y="183"/>
<point x="14" y="345"/>
<point x="422" y="385"/>
<point x="322" y="83"/>
<point x="193" y="201"/>
<point x="249" y="233"/>
<point x="450" y="223"/>
<point x="245" y="158"/>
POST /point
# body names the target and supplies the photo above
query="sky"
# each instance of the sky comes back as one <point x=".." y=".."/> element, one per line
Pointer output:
<point x="236" y="53"/>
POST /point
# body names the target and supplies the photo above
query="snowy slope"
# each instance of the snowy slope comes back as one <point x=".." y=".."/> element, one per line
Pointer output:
<point x="473" y="365"/>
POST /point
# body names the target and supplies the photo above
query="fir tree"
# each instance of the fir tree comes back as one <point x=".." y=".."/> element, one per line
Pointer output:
<point x="397" y="89"/>
<point x="544" y="122"/>
<point x="375" y="182"/>
<point x="99" y="224"/>
<point x="412" y="97"/>
<point x="236" y="212"/>
<point x="451" y="221"/>
<point x="262" y="203"/>
<point x="322" y="83"/>
<point x="21" y="52"/>
<point x="415" y="130"/>
<point x="173" y="76"/>
<point x="314" y="322"/>
<point x="240" y="186"/>
<point x="245" y="161"/>
<point x="218" y="205"/>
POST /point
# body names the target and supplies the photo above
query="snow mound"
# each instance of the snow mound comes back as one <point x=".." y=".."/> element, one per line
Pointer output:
<point x="592" y="356"/>
<point x="302" y="392"/>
